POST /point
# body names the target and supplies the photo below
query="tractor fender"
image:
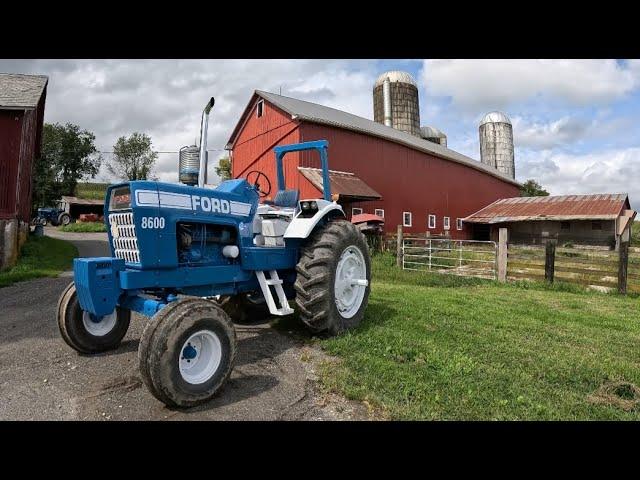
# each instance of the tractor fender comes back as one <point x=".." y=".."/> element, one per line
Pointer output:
<point x="302" y="227"/>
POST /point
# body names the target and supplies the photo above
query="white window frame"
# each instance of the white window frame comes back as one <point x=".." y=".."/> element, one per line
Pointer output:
<point x="260" y="109"/>
<point x="379" y="210"/>
<point x="459" y="225"/>
<point x="404" y="222"/>
<point x="353" y="209"/>
<point x="429" y="225"/>
<point x="446" y="223"/>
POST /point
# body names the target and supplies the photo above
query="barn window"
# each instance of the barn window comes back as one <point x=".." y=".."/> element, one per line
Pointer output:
<point x="379" y="212"/>
<point x="432" y="221"/>
<point x="447" y="223"/>
<point x="406" y="219"/>
<point x="260" y="108"/>
<point x="356" y="211"/>
<point x="459" y="223"/>
<point x="596" y="225"/>
<point x="565" y="225"/>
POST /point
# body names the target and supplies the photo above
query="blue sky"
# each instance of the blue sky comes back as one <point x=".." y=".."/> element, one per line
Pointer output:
<point x="576" y="122"/>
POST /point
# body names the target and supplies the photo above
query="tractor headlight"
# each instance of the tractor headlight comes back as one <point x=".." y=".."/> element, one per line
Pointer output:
<point x="305" y="205"/>
<point x="314" y="206"/>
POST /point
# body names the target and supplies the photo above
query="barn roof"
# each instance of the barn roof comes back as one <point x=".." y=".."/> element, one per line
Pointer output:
<point x="315" y="113"/>
<point x="20" y="92"/>
<point x="343" y="184"/>
<point x="563" y="207"/>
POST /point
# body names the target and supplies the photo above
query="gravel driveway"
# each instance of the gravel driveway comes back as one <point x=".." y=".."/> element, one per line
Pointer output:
<point x="41" y="378"/>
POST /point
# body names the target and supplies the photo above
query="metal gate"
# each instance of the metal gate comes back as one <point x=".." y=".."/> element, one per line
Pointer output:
<point x="468" y="258"/>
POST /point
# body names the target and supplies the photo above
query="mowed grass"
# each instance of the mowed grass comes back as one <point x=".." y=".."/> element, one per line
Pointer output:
<point x="84" y="227"/>
<point x="91" y="190"/>
<point x="447" y="348"/>
<point x="40" y="257"/>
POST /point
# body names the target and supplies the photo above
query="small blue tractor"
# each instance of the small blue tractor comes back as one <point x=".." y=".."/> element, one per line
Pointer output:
<point x="194" y="260"/>
<point x="54" y="215"/>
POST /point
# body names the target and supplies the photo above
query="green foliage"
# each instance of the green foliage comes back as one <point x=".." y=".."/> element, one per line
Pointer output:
<point x="91" y="191"/>
<point x="84" y="227"/>
<point x="223" y="170"/>
<point x="68" y="155"/>
<point x="635" y="233"/>
<point x="480" y="350"/>
<point x="133" y="157"/>
<point x="40" y="257"/>
<point x="531" y="188"/>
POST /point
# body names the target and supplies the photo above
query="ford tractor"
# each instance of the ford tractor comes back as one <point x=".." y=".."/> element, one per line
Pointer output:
<point x="195" y="259"/>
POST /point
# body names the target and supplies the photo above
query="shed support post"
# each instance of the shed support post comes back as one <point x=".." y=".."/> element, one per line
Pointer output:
<point x="502" y="254"/>
<point x="550" y="261"/>
<point x="622" y="267"/>
<point x="399" y="248"/>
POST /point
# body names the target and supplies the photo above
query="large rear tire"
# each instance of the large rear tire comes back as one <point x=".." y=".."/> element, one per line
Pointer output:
<point x="188" y="352"/>
<point x="85" y="333"/>
<point x="334" y="276"/>
<point x="64" y="219"/>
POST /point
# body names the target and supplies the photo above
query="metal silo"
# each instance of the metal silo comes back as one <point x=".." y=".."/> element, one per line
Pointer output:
<point x="395" y="102"/>
<point x="496" y="143"/>
<point x="434" y="135"/>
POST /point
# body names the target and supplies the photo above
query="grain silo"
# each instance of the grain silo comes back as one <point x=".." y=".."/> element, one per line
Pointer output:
<point x="395" y="102"/>
<point x="496" y="143"/>
<point x="434" y="135"/>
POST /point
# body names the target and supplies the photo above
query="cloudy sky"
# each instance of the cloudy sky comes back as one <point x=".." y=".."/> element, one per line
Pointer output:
<point x="576" y="122"/>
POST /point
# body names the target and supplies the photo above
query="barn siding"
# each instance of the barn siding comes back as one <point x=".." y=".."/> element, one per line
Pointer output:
<point x="10" y="141"/>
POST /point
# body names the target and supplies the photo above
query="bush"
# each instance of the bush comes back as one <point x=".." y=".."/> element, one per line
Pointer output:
<point x="84" y="227"/>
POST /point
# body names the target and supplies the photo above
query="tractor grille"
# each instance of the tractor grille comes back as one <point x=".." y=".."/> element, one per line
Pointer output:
<point x="123" y="232"/>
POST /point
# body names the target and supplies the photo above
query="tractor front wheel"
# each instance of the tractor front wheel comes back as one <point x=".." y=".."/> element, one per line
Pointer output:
<point x="333" y="278"/>
<point x="187" y="352"/>
<point x="86" y="333"/>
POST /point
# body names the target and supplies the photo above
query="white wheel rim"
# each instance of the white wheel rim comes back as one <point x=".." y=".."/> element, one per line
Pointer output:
<point x="99" y="327"/>
<point x="351" y="281"/>
<point x="200" y="357"/>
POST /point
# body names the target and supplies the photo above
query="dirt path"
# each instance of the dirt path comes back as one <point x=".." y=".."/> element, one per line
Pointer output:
<point x="41" y="378"/>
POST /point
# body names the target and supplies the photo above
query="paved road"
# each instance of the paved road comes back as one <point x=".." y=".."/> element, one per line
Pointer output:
<point x="41" y="378"/>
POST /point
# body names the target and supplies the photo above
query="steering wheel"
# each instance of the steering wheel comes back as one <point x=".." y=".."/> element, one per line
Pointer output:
<point x="257" y="176"/>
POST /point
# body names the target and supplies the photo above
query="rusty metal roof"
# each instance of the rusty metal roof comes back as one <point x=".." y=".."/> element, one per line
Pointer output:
<point x="18" y="91"/>
<point x="344" y="184"/>
<point x="366" y="217"/>
<point x="564" y="207"/>
<point x="81" y="201"/>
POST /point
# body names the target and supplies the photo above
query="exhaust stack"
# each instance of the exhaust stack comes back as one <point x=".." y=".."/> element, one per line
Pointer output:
<point x="202" y="179"/>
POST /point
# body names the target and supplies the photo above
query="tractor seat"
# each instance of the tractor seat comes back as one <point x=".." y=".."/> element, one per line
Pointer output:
<point x="286" y="198"/>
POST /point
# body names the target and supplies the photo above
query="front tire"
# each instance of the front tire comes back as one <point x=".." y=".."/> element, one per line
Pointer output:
<point x="187" y="352"/>
<point x="334" y="276"/>
<point x="86" y="334"/>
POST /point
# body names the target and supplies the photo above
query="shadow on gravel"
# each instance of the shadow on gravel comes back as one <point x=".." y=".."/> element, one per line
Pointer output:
<point x="266" y="343"/>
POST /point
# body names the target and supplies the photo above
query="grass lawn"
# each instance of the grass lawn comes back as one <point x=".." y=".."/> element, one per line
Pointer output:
<point x="41" y="257"/>
<point x="91" y="190"/>
<point x="84" y="227"/>
<point x="441" y="347"/>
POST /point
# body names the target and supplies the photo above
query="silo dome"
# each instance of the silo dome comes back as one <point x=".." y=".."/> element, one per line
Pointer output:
<point x="395" y="102"/>
<point x="495" y="117"/>
<point x="496" y="143"/>
<point x="396" y="76"/>
<point x="434" y="135"/>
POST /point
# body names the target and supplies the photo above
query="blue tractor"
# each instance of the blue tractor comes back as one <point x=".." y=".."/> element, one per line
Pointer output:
<point x="57" y="215"/>
<point x="194" y="259"/>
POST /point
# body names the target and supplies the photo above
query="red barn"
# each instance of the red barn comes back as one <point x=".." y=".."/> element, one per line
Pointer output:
<point x="375" y="169"/>
<point x="22" y="99"/>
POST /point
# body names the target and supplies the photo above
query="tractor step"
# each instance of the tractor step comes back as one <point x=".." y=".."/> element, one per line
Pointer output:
<point x="274" y="280"/>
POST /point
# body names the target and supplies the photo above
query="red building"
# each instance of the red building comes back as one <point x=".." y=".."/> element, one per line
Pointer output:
<point x="376" y="169"/>
<point x="22" y="99"/>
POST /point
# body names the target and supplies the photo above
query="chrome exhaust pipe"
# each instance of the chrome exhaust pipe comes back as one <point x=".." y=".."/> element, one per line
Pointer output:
<point x="202" y="178"/>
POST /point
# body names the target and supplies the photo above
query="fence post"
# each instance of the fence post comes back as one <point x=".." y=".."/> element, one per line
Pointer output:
<point x="550" y="261"/>
<point x="502" y="255"/>
<point x="430" y="254"/>
<point x="622" y="267"/>
<point x="399" y="247"/>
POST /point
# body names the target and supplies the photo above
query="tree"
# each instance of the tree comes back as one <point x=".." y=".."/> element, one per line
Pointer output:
<point x="531" y="188"/>
<point x="223" y="170"/>
<point x="133" y="157"/>
<point x="68" y="154"/>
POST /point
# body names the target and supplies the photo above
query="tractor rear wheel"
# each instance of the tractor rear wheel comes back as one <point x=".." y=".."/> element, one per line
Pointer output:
<point x="86" y="333"/>
<point x="64" y="219"/>
<point x="333" y="281"/>
<point x="187" y="352"/>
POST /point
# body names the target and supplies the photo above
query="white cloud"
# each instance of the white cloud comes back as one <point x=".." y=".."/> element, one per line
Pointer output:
<point x="483" y="85"/>
<point x="545" y="135"/>
<point x="615" y="171"/>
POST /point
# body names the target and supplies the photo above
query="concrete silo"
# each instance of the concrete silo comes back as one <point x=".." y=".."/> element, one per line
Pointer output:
<point x="496" y="143"/>
<point x="395" y="102"/>
<point x="434" y="135"/>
